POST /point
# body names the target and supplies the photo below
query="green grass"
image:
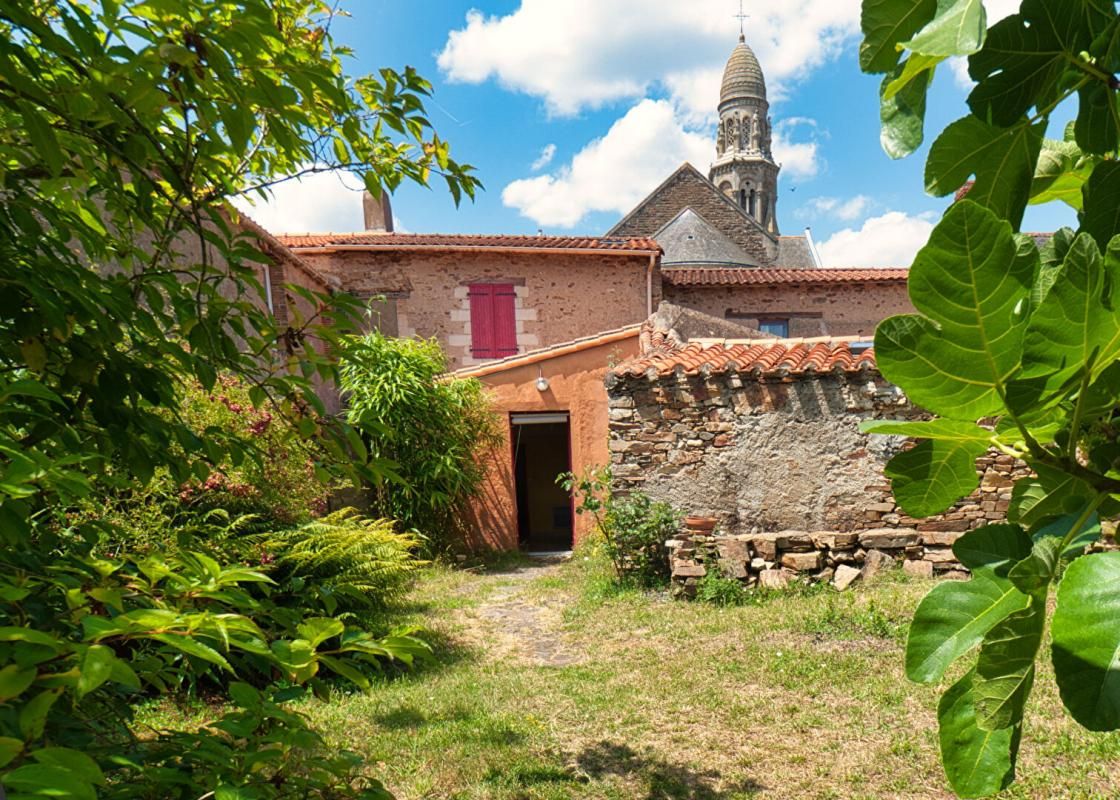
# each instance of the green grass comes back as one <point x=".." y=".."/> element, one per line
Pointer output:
<point x="799" y="696"/>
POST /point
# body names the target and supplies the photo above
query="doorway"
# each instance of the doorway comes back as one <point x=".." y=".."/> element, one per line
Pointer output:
<point x="541" y="452"/>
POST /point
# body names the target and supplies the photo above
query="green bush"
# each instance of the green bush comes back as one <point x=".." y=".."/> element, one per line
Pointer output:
<point x="717" y="589"/>
<point x="634" y="527"/>
<point x="431" y="430"/>
<point x="350" y="561"/>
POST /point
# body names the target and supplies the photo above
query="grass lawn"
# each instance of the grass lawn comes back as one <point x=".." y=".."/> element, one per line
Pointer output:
<point x="552" y="684"/>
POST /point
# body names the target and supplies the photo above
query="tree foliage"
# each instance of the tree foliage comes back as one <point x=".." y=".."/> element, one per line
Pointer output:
<point x="1014" y="348"/>
<point x="126" y="128"/>
<point x="432" y="429"/>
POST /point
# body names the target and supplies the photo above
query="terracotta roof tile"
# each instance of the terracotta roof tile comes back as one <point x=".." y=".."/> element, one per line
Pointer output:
<point x="545" y="353"/>
<point x="749" y="276"/>
<point x="439" y="241"/>
<point x="781" y="358"/>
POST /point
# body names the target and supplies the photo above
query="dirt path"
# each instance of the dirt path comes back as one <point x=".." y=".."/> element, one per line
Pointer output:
<point x="509" y="625"/>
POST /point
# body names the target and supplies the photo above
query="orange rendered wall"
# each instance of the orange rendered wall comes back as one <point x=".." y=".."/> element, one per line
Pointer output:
<point x="575" y="386"/>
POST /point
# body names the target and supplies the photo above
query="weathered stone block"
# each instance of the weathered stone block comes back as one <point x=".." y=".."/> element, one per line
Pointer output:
<point x="919" y="569"/>
<point x="733" y="568"/>
<point x="733" y="550"/>
<point x="875" y="562"/>
<point x="845" y="576"/>
<point x="689" y="569"/>
<point x="803" y="562"/>
<point x="940" y="538"/>
<point x="834" y="541"/>
<point x="939" y="555"/>
<point x="765" y="546"/>
<point x="793" y="541"/>
<point x="888" y="538"/>
<point x="944" y="525"/>
<point x="775" y="579"/>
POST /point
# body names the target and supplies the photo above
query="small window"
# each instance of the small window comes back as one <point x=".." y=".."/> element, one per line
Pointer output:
<point x="493" y="321"/>
<point x="775" y="327"/>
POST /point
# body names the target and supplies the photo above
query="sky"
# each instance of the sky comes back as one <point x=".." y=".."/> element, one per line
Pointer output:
<point x="572" y="111"/>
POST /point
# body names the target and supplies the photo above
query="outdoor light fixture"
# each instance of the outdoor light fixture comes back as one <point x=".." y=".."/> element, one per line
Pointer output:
<point x="542" y="381"/>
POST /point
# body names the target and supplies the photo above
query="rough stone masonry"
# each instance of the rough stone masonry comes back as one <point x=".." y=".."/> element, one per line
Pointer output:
<point x="781" y="467"/>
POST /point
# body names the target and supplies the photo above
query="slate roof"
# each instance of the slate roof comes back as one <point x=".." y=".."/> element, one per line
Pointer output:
<point x="691" y="240"/>
<point x="766" y="276"/>
<point x="440" y="241"/>
<point x="793" y="252"/>
<point x="783" y="358"/>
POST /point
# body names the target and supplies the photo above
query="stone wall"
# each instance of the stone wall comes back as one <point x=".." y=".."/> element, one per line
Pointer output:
<point x="559" y="297"/>
<point x="763" y="459"/>
<point x="832" y="309"/>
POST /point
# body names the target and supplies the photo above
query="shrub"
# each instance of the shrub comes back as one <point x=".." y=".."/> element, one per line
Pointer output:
<point x="719" y="590"/>
<point x="347" y="559"/>
<point x="634" y="527"/>
<point x="430" y="428"/>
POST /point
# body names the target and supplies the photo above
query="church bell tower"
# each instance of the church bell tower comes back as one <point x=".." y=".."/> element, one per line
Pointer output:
<point x="744" y="168"/>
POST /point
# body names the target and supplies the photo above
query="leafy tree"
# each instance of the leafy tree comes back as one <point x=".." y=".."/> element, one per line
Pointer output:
<point x="126" y="127"/>
<point x="431" y="429"/>
<point x="1013" y="348"/>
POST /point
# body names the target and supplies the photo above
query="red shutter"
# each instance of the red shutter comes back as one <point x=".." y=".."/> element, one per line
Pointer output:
<point x="482" y="320"/>
<point x="505" y="321"/>
<point x="493" y="321"/>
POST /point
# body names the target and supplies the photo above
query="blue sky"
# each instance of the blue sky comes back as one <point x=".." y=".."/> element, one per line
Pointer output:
<point x="572" y="111"/>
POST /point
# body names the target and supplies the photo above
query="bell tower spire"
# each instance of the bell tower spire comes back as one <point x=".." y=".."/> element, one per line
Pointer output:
<point x="744" y="168"/>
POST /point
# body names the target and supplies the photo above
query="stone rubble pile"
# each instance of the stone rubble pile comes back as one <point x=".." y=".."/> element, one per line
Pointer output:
<point x="773" y="560"/>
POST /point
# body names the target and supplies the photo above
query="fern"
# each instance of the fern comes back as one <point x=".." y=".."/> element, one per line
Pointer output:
<point x="349" y="556"/>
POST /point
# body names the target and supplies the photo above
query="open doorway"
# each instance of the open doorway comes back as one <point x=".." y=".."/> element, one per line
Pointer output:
<point x="541" y="452"/>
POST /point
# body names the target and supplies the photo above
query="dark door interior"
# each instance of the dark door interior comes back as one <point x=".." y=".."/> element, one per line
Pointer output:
<point x="541" y="453"/>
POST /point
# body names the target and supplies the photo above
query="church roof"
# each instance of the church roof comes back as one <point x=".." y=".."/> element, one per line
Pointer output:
<point x="690" y="240"/>
<point x="794" y="253"/>
<point x="742" y="78"/>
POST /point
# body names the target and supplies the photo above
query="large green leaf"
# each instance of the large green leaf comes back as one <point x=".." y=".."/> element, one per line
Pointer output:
<point x="1005" y="669"/>
<point x="958" y="30"/>
<point x="1026" y="54"/>
<point x="970" y="282"/>
<point x="1003" y="161"/>
<point x="993" y="547"/>
<point x="954" y="618"/>
<point x="1100" y="212"/>
<point x="1050" y="494"/>
<point x="1086" y="647"/>
<point x="1034" y="574"/>
<point x="885" y="23"/>
<point x="1061" y="173"/>
<point x="96" y="668"/>
<point x="902" y="109"/>
<point x="978" y="763"/>
<point x="14" y="680"/>
<point x="930" y="477"/>
<point x="1078" y="321"/>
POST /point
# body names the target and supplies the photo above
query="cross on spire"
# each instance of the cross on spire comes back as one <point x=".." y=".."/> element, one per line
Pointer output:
<point x="742" y="17"/>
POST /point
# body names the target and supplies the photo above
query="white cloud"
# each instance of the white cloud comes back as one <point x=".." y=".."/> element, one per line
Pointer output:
<point x="578" y="54"/>
<point x="890" y="240"/>
<point x="615" y="172"/>
<point x="798" y="159"/>
<point x="846" y="210"/>
<point x="324" y="201"/>
<point x="545" y="158"/>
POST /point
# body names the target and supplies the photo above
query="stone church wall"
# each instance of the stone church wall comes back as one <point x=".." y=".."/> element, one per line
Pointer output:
<point x="812" y="310"/>
<point x="688" y="188"/>
<point x="559" y="297"/>
<point x="782" y="469"/>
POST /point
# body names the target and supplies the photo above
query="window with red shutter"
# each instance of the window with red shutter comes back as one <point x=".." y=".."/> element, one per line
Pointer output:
<point x="493" y="321"/>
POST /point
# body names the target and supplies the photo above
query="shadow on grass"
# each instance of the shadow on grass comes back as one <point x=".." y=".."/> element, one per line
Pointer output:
<point x="659" y="779"/>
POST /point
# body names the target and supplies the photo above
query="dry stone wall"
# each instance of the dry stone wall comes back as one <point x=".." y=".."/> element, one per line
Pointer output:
<point x="791" y="485"/>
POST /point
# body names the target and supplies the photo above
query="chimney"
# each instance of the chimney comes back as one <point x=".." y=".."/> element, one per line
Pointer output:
<point x="378" y="213"/>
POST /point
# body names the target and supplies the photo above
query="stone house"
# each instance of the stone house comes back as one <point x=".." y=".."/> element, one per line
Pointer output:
<point x="490" y="297"/>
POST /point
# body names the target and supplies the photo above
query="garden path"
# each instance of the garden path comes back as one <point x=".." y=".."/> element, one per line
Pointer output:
<point x="515" y="622"/>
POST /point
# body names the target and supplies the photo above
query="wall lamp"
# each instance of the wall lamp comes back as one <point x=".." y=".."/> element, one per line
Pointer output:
<point x="542" y="381"/>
